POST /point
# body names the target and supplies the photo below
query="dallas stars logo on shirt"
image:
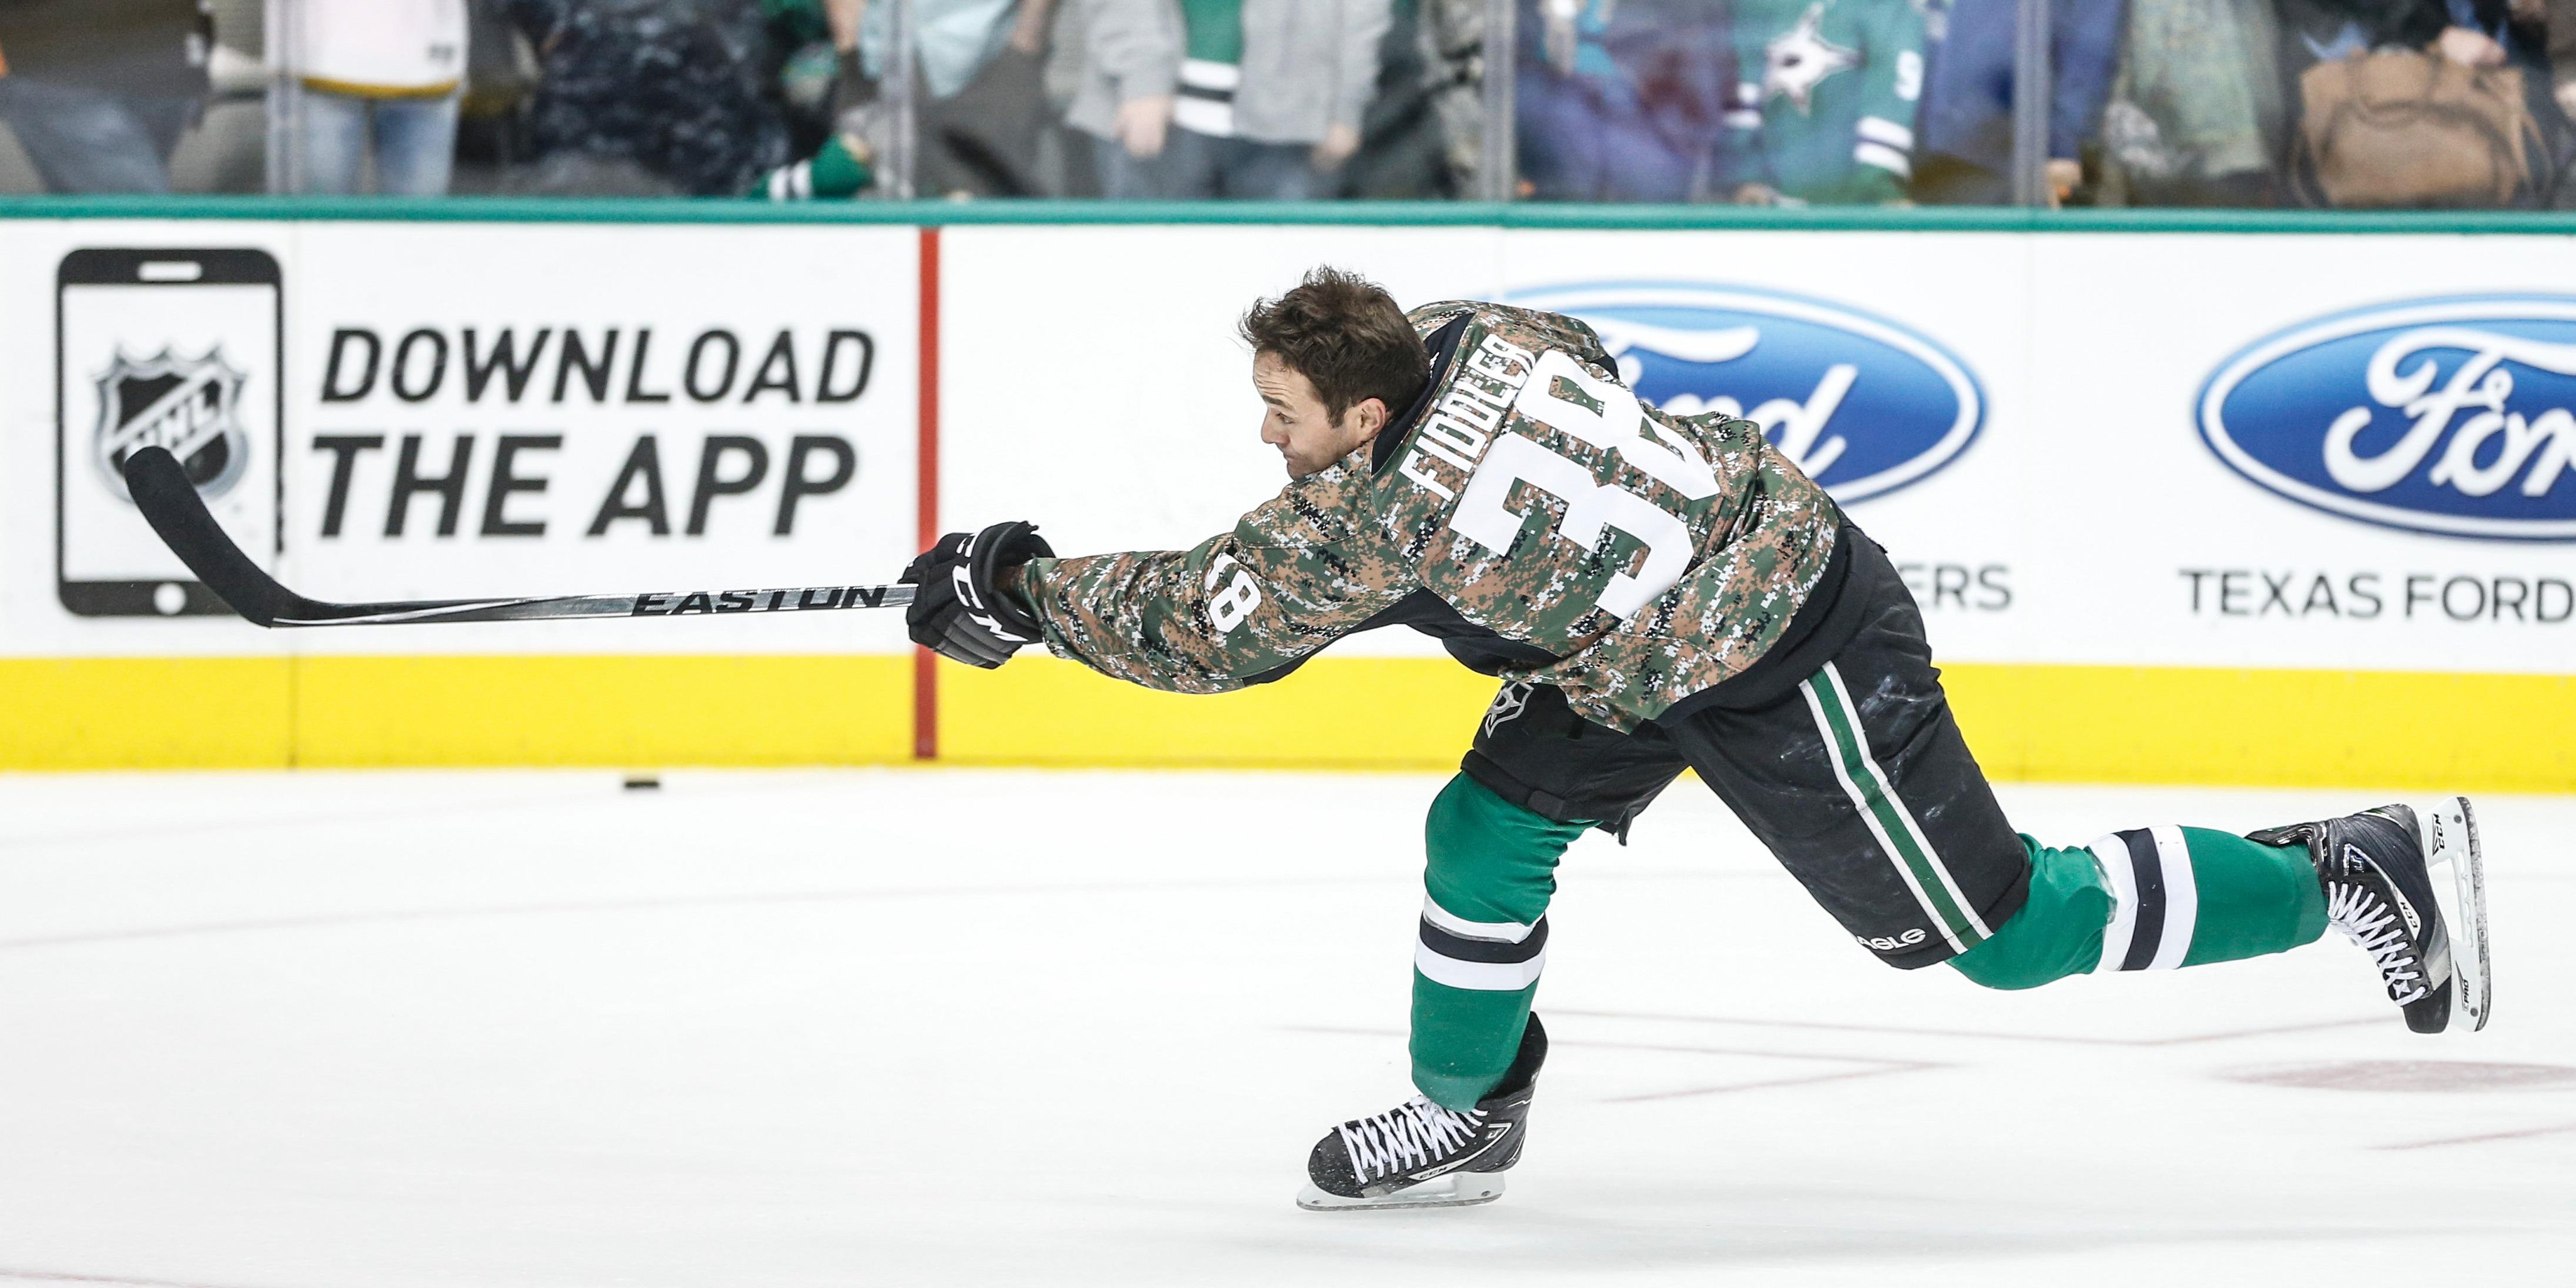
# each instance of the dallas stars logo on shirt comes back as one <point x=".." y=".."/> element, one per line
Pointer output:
<point x="1799" y="59"/>
<point x="1824" y="104"/>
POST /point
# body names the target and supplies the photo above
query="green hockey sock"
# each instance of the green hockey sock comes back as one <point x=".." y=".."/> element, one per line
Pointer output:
<point x="2151" y="899"/>
<point x="1490" y="870"/>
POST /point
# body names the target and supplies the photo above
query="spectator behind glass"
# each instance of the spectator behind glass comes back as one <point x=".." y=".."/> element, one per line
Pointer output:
<point x="1111" y="70"/>
<point x="1621" y="100"/>
<point x="2499" y="33"/>
<point x="98" y="91"/>
<point x="651" y="97"/>
<point x="827" y="96"/>
<point x="1967" y="118"/>
<point x="1450" y="36"/>
<point x="2196" y="114"/>
<point x="381" y="77"/>
<point x="1270" y="98"/>
<point x="2559" y="20"/>
<point x="1404" y="148"/>
<point x="979" y="105"/>
<point x="2323" y="31"/>
<point x="2472" y="34"/>
<point x="1825" y="101"/>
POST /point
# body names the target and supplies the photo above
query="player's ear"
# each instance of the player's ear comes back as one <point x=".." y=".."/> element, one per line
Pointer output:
<point x="1368" y="416"/>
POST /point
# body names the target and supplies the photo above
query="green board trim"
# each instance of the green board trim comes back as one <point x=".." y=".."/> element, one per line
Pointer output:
<point x="1392" y="214"/>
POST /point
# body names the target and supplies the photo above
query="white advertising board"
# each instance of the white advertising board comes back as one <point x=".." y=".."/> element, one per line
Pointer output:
<point x="383" y="411"/>
<point x="2332" y="452"/>
<point x="2118" y="448"/>
<point x="2199" y="423"/>
<point x="1093" y="381"/>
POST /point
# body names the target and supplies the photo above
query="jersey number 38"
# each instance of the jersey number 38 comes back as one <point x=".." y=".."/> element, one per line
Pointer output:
<point x="1613" y="420"/>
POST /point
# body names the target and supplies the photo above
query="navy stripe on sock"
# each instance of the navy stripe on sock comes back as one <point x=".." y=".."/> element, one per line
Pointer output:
<point x="2150" y="923"/>
<point x="1461" y="949"/>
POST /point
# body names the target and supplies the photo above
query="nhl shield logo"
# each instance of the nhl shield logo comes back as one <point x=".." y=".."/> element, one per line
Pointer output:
<point x="191" y="407"/>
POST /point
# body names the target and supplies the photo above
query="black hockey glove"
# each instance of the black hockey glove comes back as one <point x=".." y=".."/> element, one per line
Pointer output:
<point x="961" y="611"/>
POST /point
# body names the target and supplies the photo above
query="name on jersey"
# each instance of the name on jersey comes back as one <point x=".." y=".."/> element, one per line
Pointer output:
<point x="1463" y="423"/>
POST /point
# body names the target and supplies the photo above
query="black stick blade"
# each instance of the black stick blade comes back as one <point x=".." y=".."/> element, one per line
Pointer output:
<point x="160" y="487"/>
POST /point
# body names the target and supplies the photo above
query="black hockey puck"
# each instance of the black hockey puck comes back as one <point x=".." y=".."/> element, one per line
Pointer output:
<point x="643" y="783"/>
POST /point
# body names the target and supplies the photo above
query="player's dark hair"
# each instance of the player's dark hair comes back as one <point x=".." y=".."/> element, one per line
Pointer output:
<point x="1346" y="336"/>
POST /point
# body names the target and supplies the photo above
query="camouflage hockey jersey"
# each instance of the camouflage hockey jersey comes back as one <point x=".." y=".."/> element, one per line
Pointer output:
<point x="1527" y="507"/>
<point x="1826" y="96"/>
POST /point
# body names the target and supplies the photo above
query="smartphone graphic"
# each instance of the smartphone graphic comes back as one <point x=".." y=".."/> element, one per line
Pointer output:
<point x="171" y="348"/>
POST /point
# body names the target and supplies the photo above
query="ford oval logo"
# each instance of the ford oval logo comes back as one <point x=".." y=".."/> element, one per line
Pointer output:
<point x="2448" y="416"/>
<point x="1862" y="404"/>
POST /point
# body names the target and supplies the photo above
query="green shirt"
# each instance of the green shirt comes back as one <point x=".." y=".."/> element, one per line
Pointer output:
<point x="1215" y="29"/>
<point x="1826" y="101"/>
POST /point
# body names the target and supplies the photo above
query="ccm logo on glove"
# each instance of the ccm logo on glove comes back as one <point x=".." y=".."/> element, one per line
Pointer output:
<point x="962" y="613"/>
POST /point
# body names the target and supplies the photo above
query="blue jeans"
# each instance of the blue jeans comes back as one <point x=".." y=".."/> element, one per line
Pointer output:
<point x="83" y="139"/>
<point x="1193" y="165"/>
<point x="1577" y="144"/>
<point x="1202" y="165"/>
<point x="414" y="138"/>
<point x="1124" y="176"/>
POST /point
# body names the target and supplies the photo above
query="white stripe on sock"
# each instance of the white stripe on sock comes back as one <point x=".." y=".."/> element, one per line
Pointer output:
<point x="1879" y="129"/>
<point x="1198" y="113"/>
<point x="1886" y="846"/>
<point x="1200" y="73"/>
<point x="1199" y="116"/>
<point x="1888" y="789"/>
<point x="1501" y="932"/>
<point x="2112" y="854"/>
<point x="1885" y="158"/>
<point x="1481" y="977"/>
<point x="2182" y="897"/>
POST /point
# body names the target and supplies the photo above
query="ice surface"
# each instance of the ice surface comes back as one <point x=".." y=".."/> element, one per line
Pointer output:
<point x="343" y="1030"/>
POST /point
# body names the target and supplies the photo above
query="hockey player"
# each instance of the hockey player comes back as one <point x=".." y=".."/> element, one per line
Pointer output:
<point x="1655" y="591"/>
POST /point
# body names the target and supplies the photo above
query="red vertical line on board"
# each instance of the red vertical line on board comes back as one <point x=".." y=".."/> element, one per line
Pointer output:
<point x="925" y="673"/>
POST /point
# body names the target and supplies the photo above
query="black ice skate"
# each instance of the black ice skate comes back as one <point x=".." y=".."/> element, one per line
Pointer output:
<point x="2376" y="868"/>
<point x="1419" y="1155"/>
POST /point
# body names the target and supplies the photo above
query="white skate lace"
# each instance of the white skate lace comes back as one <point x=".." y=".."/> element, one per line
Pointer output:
<point x="1408" y="1135"/>
<point x="2373" y="927"/>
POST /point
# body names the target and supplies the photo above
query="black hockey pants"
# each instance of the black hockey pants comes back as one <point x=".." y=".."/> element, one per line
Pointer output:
<point x="1839" y="752"/>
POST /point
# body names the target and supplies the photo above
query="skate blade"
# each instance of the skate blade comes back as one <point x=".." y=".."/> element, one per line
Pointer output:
<point x="2452" y="840"/>
<point x="1457" y="1189"/>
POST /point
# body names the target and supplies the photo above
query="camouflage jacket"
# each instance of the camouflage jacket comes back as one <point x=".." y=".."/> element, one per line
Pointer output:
<point x="1623" y="554"/>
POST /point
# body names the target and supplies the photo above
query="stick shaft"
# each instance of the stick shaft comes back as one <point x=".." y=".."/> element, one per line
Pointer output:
<point x="788" y="599"/>
<point x="169" y="502"/>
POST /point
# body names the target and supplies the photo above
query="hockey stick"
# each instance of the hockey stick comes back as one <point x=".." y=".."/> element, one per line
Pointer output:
<point x="160" y="487"/>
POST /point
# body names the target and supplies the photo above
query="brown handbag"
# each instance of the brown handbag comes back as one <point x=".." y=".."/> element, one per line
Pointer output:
<point x="2403" y="128"/>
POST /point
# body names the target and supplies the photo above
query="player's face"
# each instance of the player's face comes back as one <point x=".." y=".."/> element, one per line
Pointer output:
<point x="1293" y="418"/>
